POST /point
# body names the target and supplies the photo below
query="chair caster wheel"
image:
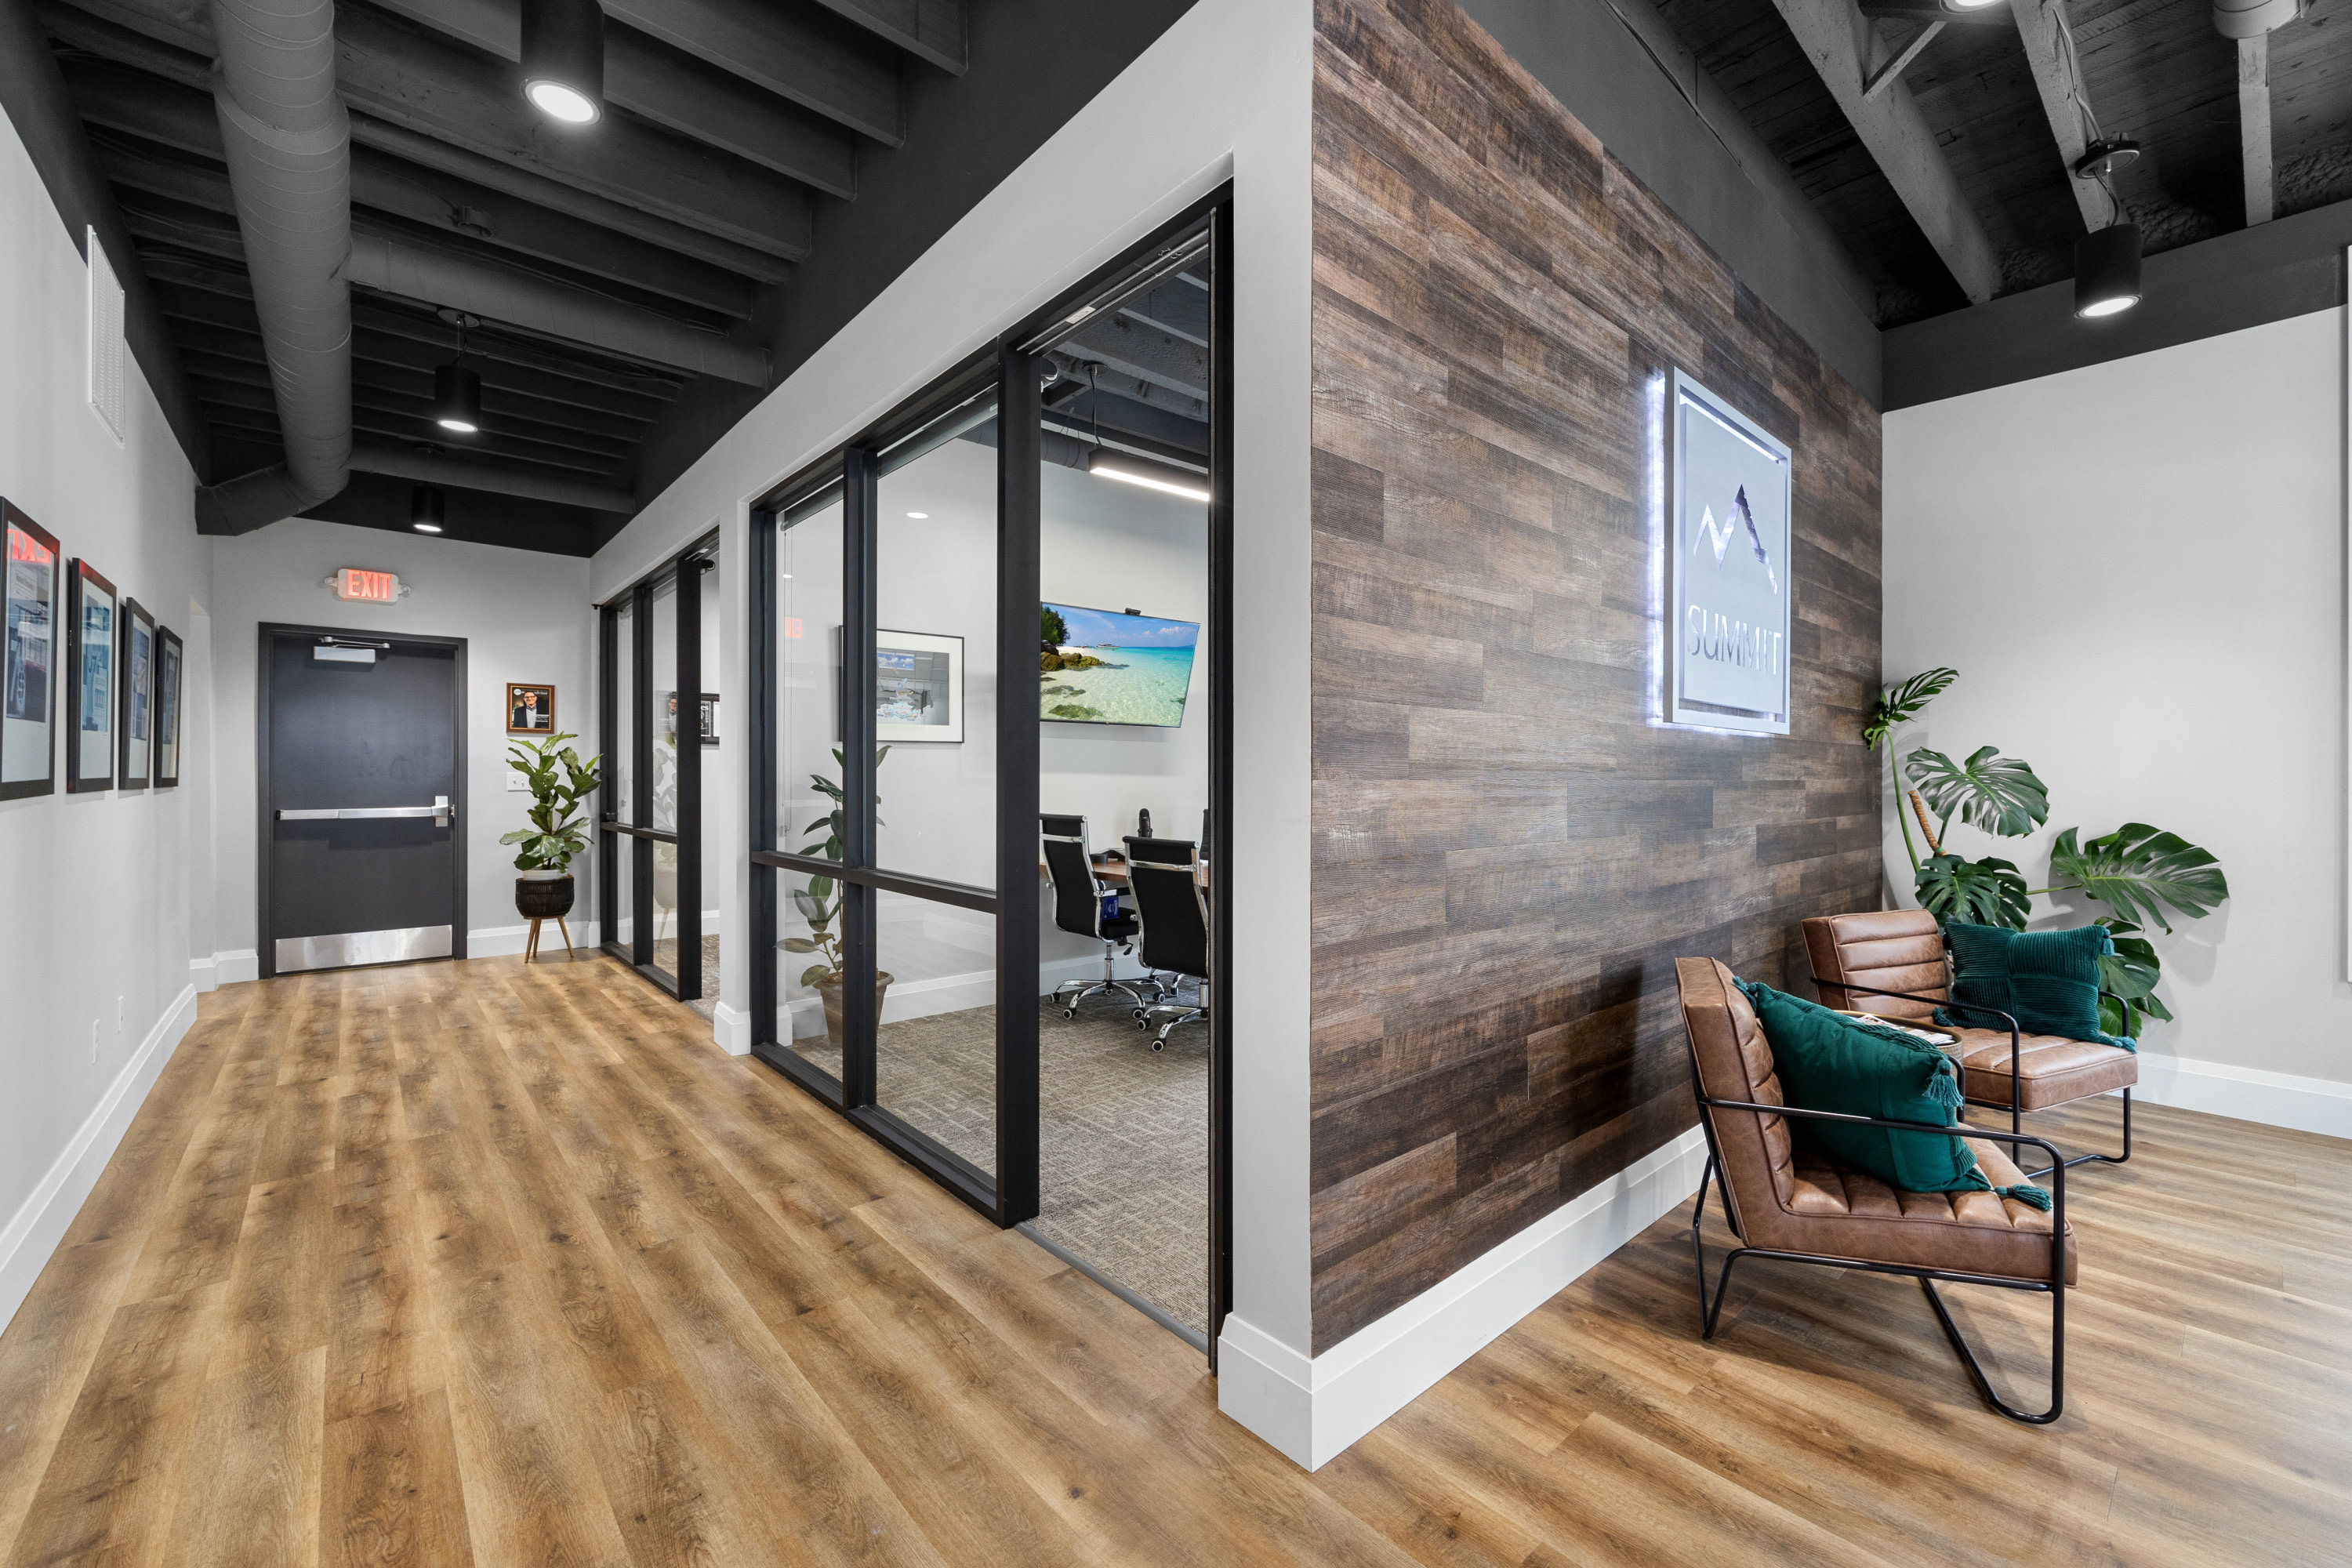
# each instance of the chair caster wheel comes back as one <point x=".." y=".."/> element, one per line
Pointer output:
<point x="1158" y="1045"/>
<point x="1069" y="1012"/>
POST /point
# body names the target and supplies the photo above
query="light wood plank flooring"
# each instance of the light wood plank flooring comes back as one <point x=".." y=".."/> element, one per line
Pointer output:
<point x="475" y="1264"/>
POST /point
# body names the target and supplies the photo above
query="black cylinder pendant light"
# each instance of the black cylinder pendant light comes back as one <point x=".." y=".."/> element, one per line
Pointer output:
<point x="458" y="399"/>
<point x="564" y="59"/>
<point x="2106" y="271"/>
<point x="428" y="509"/>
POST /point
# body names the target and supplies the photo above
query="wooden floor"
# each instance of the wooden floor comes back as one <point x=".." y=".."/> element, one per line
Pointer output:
<point x="467" y="1263"/>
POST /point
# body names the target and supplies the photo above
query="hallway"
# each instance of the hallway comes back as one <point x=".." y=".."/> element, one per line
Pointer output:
<point x="474" y="1263"/>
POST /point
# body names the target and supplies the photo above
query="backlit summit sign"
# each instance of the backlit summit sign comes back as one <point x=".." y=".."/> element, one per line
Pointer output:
<point x="1727" y="579"/>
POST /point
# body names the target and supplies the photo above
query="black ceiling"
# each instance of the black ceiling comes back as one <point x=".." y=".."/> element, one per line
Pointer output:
<point x="2154" y="70"/>
<point x="763" y="169"/>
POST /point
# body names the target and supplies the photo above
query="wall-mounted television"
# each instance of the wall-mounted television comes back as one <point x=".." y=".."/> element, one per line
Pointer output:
<point x="1103" y="666"/>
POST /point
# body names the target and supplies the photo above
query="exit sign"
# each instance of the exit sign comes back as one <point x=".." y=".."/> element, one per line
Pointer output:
<point x="359" y="583"/>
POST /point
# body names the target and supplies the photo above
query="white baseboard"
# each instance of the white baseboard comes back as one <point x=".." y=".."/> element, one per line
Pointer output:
<point x="2248" y="1094"/>
<point x="731" y="1027"/>
<point x="203" y="974"/>
<point x="1312" y="1408"/>
<point x="500" y="942"/>
<point x="235" y="966"/>
<point x="40" y="1222"/>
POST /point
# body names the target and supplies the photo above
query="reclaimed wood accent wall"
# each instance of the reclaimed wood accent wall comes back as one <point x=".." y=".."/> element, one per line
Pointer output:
<point x="1509" y="850"/>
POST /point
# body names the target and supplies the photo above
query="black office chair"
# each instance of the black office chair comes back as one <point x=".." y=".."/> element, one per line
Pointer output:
<point x="1163" y="874"/>
<point x="1078" y="910"/>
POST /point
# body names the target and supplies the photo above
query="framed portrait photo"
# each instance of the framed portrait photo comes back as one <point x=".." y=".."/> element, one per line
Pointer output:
<point x="531" y="710"/>
<point x="169" y="659"/>
<point x="135" y="725"/>
<point x="28" y="699"/>
<point x="93" y="615"/>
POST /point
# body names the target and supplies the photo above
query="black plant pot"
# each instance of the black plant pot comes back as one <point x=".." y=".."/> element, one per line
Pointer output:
<point x="543" y="897"/>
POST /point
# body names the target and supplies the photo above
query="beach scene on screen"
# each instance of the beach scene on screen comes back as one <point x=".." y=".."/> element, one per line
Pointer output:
<point x="1099" y="667"/>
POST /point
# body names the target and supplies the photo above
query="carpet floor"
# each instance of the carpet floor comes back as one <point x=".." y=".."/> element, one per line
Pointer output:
<point x="1123" y="1144"/>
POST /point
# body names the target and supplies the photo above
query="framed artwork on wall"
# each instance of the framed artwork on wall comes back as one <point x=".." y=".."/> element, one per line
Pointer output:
<point x="918" y="687"/>
<point x="135" y="726"/>
<point x="531" y="710"/>
<point x="91" y="633"/>
<point x="28" y="699"/>
<point x="1728" y="575"/>
<point x="169" y="657"/>
<point x="708" y="710"/>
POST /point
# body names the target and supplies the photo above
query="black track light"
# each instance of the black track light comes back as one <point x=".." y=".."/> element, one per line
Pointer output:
<point x="458" y="399"/>
<point x="2106" y="271"/>
<point x="564" y="59"/>
<point x="428" y="509"/>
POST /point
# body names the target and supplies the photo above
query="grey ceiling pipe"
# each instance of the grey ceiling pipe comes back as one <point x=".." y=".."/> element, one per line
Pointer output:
<point x="553" y="309"/>
<point x="288" y="144"/>
<point x="463" y="473"/>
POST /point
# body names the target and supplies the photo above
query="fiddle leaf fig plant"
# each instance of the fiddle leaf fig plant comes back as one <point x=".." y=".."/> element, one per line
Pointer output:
<point x="820" y="902"/>
<point x="2137" y="871"/>
<point x="560" y="780"/>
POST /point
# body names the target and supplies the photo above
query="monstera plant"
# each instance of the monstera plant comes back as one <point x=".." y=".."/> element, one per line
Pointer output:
<point x="2138" y="872"/>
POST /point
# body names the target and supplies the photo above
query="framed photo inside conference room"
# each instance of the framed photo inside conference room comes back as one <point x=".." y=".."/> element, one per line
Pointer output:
<point x="169" y="659"/>
<point x="29" y="698"/>
<point x="92" y="613"/>
<point x="1728" y="577"/>
<point x="135" y="720"/>
<point x="918" y="687"/>
<point x="531" y="710"/>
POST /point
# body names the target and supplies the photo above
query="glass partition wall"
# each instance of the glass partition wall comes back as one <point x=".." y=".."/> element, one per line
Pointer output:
<point x="649" y="815"/>
<point x="898" y="618"/>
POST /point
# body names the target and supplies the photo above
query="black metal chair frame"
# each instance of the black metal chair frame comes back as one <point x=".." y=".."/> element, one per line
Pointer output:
<point x="2016" y="1084"/>
<point x="2055" y="1286"/>
<point x="1112" y="946"/>
<point x="1198" y="1011"/>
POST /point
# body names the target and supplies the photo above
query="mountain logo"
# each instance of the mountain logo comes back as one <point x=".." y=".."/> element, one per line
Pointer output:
<point x="1721" y="537"/>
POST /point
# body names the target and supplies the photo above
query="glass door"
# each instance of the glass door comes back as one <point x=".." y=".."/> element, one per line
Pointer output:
<point x="650" y="848"/>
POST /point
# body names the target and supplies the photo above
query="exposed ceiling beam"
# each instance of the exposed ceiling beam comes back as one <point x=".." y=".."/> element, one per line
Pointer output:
<point x="121" y="32"/>
<point x="2049" y="54"/>
<point x="2255" y="124"/>
<point x="670" y="89"/>
<point x="442" y="468"/>
<point x="1144" y="352"/>
<point x="398" y="73"/>
<point x="1887" y="75"/>
<point x="933" y="29"/>
<point x="573" y="315"/>
<point x="819" y="63"/>
<point x="237" y="408"/>
<point x="232" y="383"/>
<point x="138" y="117"/>
<point x="1830" y="33"/>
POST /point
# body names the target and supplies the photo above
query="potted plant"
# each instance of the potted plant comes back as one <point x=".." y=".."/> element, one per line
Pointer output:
<point x="820" y="904"/>
<point x="559" y="781"/>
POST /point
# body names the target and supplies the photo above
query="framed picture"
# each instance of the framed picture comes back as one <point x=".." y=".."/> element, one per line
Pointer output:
<point x="1728" y="571"/>
<point x="918" y="687"/>
<point x="91" y="635"/>
<point x="28" y="700"/>
<point x="707" y="710"/>
<point x="531" y="710"/>
<point x="135" y="727"/>
<point x="169" y="659"/>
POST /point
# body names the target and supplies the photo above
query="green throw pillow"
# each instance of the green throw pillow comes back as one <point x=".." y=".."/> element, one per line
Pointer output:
<point x="1827" y="1061"/>
<point x="2046" y="980"/>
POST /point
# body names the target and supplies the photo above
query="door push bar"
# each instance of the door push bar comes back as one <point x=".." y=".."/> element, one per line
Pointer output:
<point x="440" y="811"/>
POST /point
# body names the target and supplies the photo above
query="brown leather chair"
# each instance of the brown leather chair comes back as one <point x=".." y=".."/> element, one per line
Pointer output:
<point x="1891" y="962"/>
<point x="1784" y="1202"/>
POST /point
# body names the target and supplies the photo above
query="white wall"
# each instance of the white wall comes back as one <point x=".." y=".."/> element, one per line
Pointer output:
<point x="524" y="615"/>
<point x="2139" y="570"/>
<point x="1223" y="94"/>
<point x="96" y="924"/>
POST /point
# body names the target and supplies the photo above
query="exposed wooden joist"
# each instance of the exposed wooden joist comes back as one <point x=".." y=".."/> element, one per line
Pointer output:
<point x="2049" y="53"/>
<point x="2255" y="124"/>
<point x="1832" y="33"/>
<point x="400" y="460"/>
<point x="840" y="71"/>
<point x="662" y="86"/>
<point x="410" y="415"/>
<point x="1887" y="75"/>
<point x="158" y="46"/>
<point x="934" y="29"/>
<point x="399" y="73"/>
<point x="1143" y="352"/>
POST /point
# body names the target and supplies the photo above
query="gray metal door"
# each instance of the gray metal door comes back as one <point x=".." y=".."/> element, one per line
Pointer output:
<point x="363" y="751"/>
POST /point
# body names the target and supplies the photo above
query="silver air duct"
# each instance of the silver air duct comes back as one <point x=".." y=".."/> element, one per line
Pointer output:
<point x="288" y="144"/>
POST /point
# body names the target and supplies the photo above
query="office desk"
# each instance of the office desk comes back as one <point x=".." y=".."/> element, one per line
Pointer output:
<point x="1114" y="874"/>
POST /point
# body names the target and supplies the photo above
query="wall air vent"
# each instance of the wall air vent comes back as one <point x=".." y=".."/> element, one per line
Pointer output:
<point x="106" y="393"/>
